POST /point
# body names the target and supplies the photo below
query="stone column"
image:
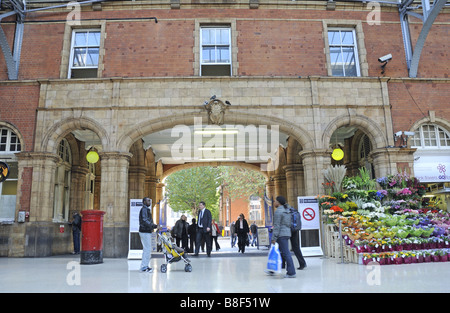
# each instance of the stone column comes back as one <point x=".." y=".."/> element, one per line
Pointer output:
<point x="150" y="188"/>
<point x="294" y="183"/>
<point x="314" y="162"/>
<point x="78" y="189"/>
<point x="35" y="238"/>
<point x="42" y="185"/>
<point x="159" y="197"/>
<point x="270" y="192"/>
<point x="388" y="161"/>
<point x="137" y="182"/>
<point x="114" y="200"/>
<point x="280" y="186"/>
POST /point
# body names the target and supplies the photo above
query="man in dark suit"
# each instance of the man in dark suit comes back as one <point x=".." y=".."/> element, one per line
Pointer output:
<point x="203" y="229"/>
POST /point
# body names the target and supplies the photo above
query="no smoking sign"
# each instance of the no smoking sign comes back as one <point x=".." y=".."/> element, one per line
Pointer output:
<point x="308" y="214"/>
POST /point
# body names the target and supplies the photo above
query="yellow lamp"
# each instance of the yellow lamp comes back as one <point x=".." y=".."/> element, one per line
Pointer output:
<point x="92" y="156"/>
<point x="337" y="154"/>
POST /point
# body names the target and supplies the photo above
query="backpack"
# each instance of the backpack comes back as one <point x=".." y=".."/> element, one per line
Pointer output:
<point x="296" y="221"/>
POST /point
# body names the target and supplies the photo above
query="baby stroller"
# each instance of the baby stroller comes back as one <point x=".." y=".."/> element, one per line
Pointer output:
<point x="172" y="253"/>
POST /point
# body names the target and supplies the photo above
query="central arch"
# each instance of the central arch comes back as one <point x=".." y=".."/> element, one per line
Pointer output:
<point x="138" y="131"/>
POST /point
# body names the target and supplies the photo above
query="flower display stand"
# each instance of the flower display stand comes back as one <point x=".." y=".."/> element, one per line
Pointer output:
<point x="391" y="226"/>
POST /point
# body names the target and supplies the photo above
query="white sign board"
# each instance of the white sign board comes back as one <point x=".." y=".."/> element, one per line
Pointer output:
<point x="308" y="207"/>
<point x="432" y="167"/>
<point x="309" y="211"/>
<point x="135" y="208"/>
<point x="263" y="236"/>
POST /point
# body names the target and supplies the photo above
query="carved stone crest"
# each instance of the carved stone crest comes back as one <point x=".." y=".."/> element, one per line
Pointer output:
<point x="216" y="110"/>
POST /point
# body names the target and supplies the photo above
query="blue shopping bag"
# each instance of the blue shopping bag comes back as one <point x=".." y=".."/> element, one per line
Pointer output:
<point x="274" y="260"/>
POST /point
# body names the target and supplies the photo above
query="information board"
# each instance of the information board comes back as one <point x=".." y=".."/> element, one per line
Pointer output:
<point x="134" y="241"/>
<point x="263" y="236"/>
<point x="310" y="242"/>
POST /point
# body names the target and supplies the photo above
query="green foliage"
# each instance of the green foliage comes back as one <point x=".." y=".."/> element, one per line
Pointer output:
<point x="186" y="188"/>
<point x="362" y="182"/>
<point x="241" y="183"/>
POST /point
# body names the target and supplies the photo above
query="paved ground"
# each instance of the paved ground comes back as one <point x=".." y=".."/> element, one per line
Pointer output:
<point x="225" y="272"/>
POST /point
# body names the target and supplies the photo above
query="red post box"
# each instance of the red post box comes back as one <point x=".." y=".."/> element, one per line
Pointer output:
<point x="92" y="237"/>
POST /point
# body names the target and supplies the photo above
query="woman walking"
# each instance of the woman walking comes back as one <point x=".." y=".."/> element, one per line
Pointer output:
<point x="242" y="231"/>
<point x="282" y="232"/>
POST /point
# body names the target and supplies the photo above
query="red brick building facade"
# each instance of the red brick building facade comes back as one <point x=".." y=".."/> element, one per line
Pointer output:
<point x="278" y="61"/>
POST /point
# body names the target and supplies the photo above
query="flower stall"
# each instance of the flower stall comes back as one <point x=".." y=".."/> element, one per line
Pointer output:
<point x="391" y="225"/>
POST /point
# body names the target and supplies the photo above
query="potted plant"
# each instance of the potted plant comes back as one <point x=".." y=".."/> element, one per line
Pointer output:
<point x="407" y="259"/>
<point x="426" y="256"/>
<point x="398" y="259"/>
<point x="420" y="256"/>
<point x="435" y="256"/>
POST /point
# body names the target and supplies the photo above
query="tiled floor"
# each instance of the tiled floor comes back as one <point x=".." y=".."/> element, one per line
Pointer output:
<point x="224" y="272"/>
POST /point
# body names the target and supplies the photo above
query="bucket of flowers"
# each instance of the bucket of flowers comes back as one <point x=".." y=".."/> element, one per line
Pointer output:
<point x="414" y="256"/>
<point x="420" y="256"/>
<point x="361" y="245"/>
<point x="407" y="244"/>
<point x="443" y="256"/>
<point x="398" y="259"/>
<point x="417" y="243"/>
<point x="446" y="240"/>
<point x="426" y="256"/>
<point x="407" y="258"/>
<point x="435" y="256"/>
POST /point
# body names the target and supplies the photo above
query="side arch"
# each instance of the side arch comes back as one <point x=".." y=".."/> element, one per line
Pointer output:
<point x="373" y="131"/>
<point x="59" y="130"/>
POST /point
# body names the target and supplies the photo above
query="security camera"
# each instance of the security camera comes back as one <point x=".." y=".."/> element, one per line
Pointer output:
<point x="409" y="133"/>
<point x="398" y="134"/>
<point x="385" y="58"/>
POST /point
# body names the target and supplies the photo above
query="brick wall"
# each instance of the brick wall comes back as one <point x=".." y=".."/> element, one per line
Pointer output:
<point x="412" y="101"/>
<point x="18" y="103"/>
<point x="278" y="42"/>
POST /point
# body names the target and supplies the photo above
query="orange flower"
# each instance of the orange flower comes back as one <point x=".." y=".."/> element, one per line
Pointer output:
<point x="335" y="208"/>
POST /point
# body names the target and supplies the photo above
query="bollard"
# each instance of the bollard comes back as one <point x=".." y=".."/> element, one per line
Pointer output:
<point x="92" y="237"/>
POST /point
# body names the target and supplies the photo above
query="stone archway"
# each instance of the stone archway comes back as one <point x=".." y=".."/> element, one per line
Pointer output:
<point x="49" y="140"/>
<point x="376" y="135"/>
<point x="150" y="126"/>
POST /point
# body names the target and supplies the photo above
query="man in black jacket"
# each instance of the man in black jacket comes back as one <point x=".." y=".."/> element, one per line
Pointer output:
<point x="180" y="232"/>
<point x="146" y="227"/>
<point x="76" y="229"/>
<point x="203" y="229"/>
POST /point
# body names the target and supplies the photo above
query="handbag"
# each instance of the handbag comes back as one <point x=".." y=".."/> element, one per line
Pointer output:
<point x="274" y="260"/>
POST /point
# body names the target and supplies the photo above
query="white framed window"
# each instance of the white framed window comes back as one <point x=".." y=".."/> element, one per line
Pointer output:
<point x="8" y="192"/>
<point x="215" y="51"/>
<point x="430" y="136"/>
<point x="84" y="53"/>
<point x="9" y="142"/>
<point x="343" y="52"/>
<point x="9" y="145"/>
<point x="62" y="183"/>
